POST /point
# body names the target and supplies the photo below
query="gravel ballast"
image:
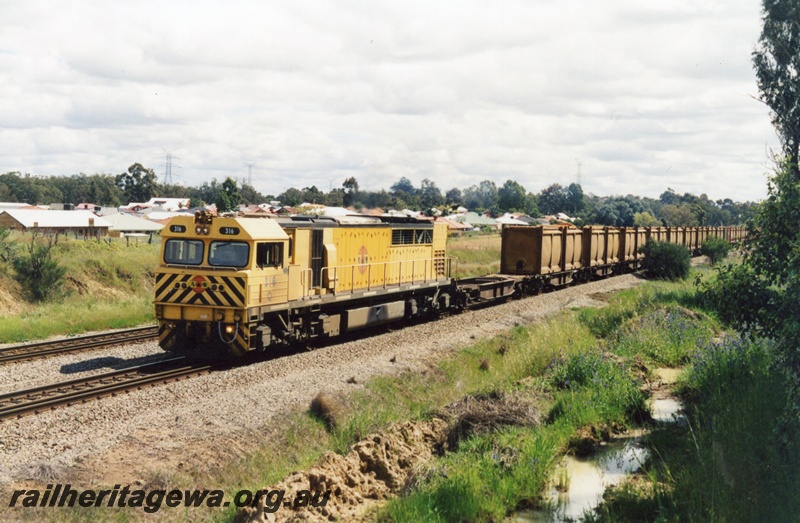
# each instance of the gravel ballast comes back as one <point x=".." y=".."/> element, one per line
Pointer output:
<point x="202" y="423"/>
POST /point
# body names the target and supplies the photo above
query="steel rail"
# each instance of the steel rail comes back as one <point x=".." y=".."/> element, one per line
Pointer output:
<point x="30" y="351"/>
<point x="47" y="397"/>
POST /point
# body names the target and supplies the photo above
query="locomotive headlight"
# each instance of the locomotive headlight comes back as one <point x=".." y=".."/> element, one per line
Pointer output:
<point x="198" y="230"/>
<point x="229" y="329"/>
<point x="205" y="229"/>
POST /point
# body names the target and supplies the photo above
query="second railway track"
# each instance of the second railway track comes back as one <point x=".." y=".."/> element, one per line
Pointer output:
<point x="47" y="397"/>
<point x="30" y="351"/>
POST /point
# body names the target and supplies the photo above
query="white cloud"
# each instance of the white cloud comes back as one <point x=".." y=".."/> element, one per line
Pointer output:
<point x="644" y="95"/>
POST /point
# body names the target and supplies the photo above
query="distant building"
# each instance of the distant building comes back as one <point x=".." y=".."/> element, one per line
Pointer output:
<point x="168" y="204"/>
<point x="79" y="223"/>
<point x="12" y="205"/>
<point x="474" y="220"/>
<point x="125" y="224"/>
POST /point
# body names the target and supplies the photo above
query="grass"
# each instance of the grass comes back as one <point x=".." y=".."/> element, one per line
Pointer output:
<point x="76" y="318"/>
<point x="107" y="286"/>
<point x="737" y="457"/>
<point x="477" y="254"/>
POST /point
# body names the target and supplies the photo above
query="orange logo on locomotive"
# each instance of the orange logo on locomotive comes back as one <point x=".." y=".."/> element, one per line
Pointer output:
<point x="200" y="284"/>
<point x="363" y="259"/>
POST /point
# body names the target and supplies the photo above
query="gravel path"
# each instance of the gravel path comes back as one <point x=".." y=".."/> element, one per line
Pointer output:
<point x="204" y="422"/>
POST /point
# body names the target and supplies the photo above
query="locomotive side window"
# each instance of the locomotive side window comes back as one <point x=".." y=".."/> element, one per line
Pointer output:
<point x="269" y="254"/>
<point x="411" y="236"/>
<point x="183" y="252"/>
<point x="402" y="236"/>
<point x="424" y="236"/>
<point x="228" y="254"/>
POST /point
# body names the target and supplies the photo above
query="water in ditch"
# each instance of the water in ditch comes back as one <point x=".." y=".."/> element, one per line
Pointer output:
<point x="585" y="479"/>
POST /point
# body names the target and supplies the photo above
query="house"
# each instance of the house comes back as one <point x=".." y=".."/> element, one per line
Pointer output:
<point x="454" y="228"/>
<point x="125" y="224"/>
<point x="168" y="204"/>
<point x="474" y="220"/>
<point x="509" y="219"/>
<point x="79" y="223"/>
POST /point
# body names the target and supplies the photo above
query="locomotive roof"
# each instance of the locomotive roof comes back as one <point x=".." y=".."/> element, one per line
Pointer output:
<point x="249" y="228"/>
<point x="353" y="220"/>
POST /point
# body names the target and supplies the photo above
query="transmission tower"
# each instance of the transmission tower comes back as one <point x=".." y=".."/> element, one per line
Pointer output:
<point x="168" y="167"/>
<point x="250" y="173"/>
<point x="580" y="165"/>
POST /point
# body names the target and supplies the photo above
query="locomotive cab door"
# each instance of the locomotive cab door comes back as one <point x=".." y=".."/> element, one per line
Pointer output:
<point x="317" y="255"/>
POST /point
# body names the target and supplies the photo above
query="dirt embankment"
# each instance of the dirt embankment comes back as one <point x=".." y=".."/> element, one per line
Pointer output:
<point x="389" y="462"/>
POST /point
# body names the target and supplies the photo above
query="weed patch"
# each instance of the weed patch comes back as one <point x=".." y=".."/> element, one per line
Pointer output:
<point x="665" y="336"/>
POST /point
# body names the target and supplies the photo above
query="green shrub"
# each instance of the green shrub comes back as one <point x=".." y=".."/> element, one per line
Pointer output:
<point x="742" y="299"/>
<point x="667" y="336"/>
<point x="39" y="274"/>
<point x="595" y="387"/>
<point x="716" y="249"/>
<point x="666" y="261"/>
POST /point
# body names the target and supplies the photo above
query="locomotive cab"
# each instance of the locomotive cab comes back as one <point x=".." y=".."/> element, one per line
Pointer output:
<point x="209" y="269"/>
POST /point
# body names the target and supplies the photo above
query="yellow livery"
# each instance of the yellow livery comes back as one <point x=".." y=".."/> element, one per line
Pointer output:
<point x="233" y="285"/>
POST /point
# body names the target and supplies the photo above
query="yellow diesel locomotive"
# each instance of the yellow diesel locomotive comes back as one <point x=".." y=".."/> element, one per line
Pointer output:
<point x="228" y="286"/>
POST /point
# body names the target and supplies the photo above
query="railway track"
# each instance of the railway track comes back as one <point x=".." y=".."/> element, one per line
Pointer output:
<point x="47" y="397"/>
<point x="44" y="349"/>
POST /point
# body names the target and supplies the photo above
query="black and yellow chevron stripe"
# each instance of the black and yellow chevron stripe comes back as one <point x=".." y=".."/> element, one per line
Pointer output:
<point x="166" y="336"/>
<point x="194" y="289"/>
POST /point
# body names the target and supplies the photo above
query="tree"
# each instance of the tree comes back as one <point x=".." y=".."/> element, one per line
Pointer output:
<point x="482" y="196"/>
<point x="682" y="215"/>
<point x="250" y="195"/>
<point x="511" y="196"/>
<point x="574" y="198"/>
<point x="291" y="197"/>
<point x="669" y="197"/>
<point x="402" y="187"/>
<point x="619" y="211"/>
<point x="777" y="63"/>
<point x="645" y="219"/>
<point x="429" y="195"/>
<point x="350" y="186"/>
<point x="553" y="199"/>
<point x="138" y="184"/>
<point x="313" y="195"/>
<point x="228" y="198"/>
<point x="454" y="197"/>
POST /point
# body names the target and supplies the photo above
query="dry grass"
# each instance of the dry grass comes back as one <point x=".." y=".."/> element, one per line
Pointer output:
<point x="484" y="413"/>
<point x="328" y="409"/>
<point x="477" y="255"/>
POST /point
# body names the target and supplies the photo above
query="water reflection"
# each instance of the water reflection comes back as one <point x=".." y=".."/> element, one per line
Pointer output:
<point x="589" y="477"/>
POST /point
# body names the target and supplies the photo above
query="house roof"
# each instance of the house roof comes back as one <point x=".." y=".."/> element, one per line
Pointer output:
<point x="453" y="225"/>
<point x="127" y="222"/>
<point x="156" y="216"/>
<point x="56" y="219"/>
<point x="13" y="205"/>
<point x="471" y="218"/>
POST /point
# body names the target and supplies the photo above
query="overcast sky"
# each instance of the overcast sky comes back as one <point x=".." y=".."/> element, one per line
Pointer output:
<point x="634" y="95"/>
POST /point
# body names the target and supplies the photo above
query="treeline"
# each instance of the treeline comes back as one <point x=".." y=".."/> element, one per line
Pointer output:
<point x="139" y="184"/>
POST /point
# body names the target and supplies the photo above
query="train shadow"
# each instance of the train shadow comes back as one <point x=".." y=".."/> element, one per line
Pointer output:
<point x="111" y="363"/>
